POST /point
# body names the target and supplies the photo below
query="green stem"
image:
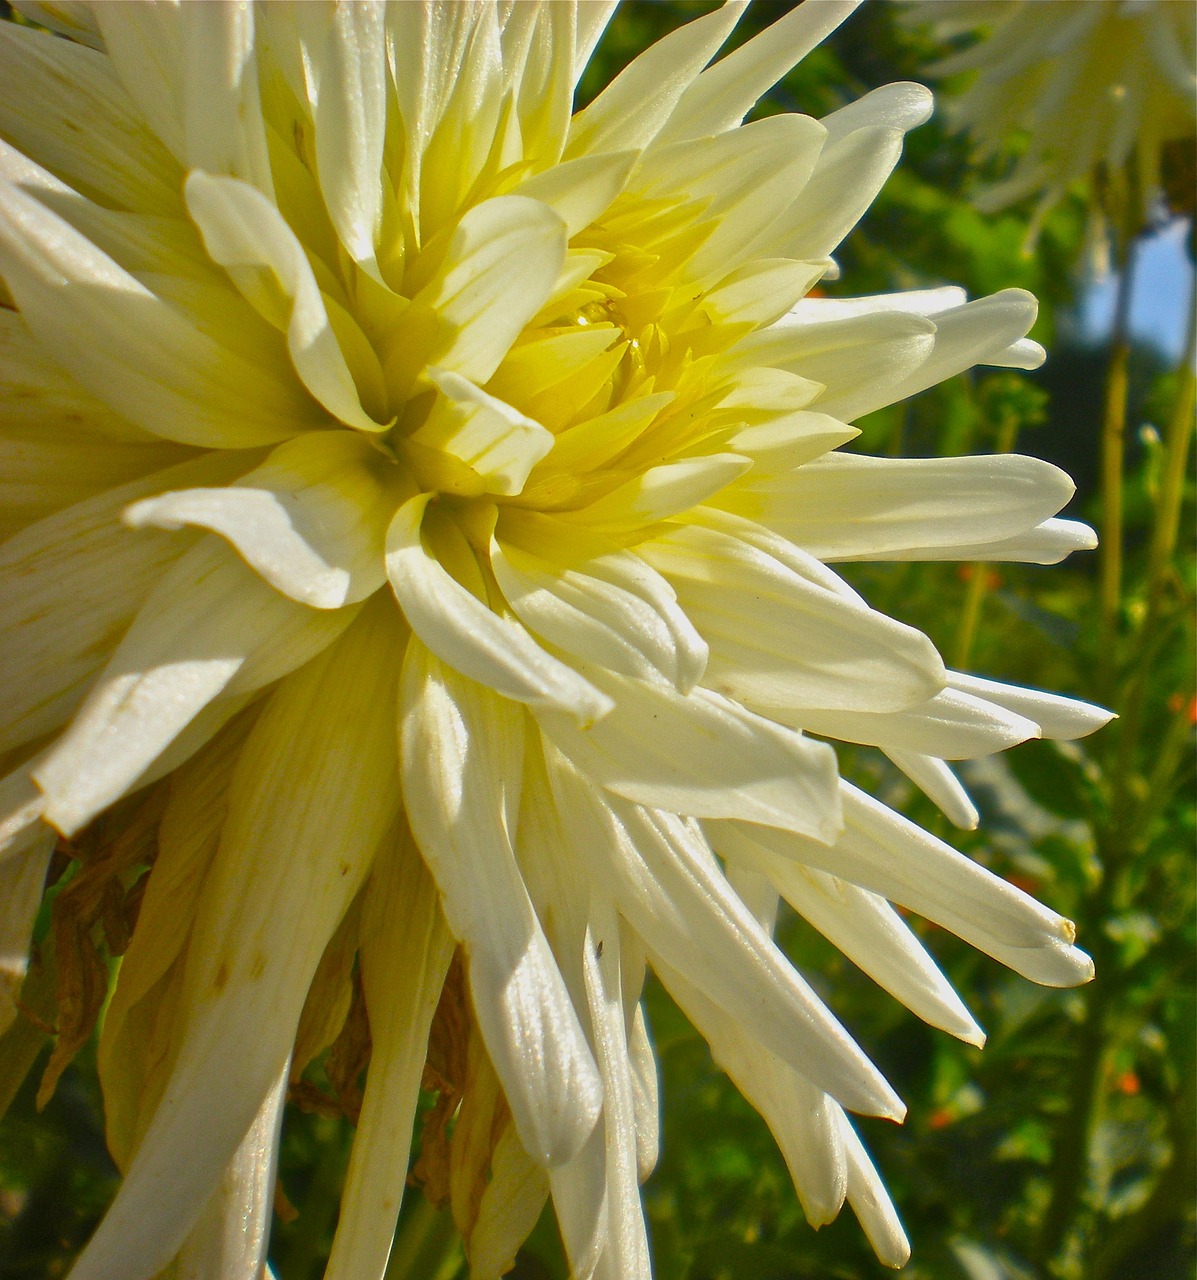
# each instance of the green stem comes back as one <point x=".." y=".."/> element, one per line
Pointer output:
<point x="1113" y="442"/>
<point x="1177" y="439"/>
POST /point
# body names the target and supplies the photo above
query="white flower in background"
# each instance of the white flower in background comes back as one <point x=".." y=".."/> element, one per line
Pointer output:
<point x="1098" y="86"/>
<point x="419" y="511"/>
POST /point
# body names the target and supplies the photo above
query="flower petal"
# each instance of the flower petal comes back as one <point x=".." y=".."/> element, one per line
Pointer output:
<point x="210" y="627"/>
<point x="312" y="520"/>
<point x="403" y="971"/>
<point x="614" y="610"/>
<point x="462" y="762"/>
<point x="701" y="754"/>
<point x="261" y="929"/>
<point x="851" y="507"/>
<point x="71" y="585"/>
<point x="1057" y="717"/>
<point x="669" y="887"/>
<point x="246" y="234"/>
<point x="780" y="639"/>
<point x="886" y="853"/>
<point x="462" y="631"/>
<point x="131" y="349"/>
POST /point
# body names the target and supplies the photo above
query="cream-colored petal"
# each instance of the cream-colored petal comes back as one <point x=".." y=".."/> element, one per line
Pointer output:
<point x="954" y="725"/>
<point x="291" y="860"/>
<point x="701" y="754"/>
<point x="349" y="114"/>
<point x="65" y="108"/>
<point x="1047" y="543"/>
<point x="403" y="969"/>
<point x="846" y="507"/>
<point x="464" y="632"/>
<point x="246" y="234"/>
<point x="462" y="764"/>
<point x="940" y="785"/>
<point x="131" y="349"/>
<point x="845" y="182"/>
<point x="781" y="639"/>
<point x="1057" y="717"/>
<point x="210" y="627"/>
<point x="614" y="610"/>
<point x="724" y="93"/>
<point x="578" y="191"/>
<point x="871" y="1203"/>
<point x="510" y="1208"/>
<point x="500" y="267"/>
<point x="229" y="1240"/>
<point x="193" y="72"/>
<point x="888" y="854"/>
<point x="669" y="887"/>
<point x="495" y="444"/>
<point x="312" y="519"/>
<point x="873" y="936"/>
<point x="801" y="1117"/>
<point x="636" y="105"/>
<point x="69" y="587"/>
<point x="862" y="360"/>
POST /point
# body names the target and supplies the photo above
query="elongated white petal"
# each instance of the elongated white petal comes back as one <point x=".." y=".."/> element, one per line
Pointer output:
<point x="312" y="520"/>
<point x="636" y="105"/>
<point x="462" y="761"/>
<point x="192" y="70"/>
<point x="723" y="94"/>
<point x="229" y="1240"/>
<point x="71" y="584"/>
<point x="845" y="182"/>
<point x="260" y="931"/>
<point x="211" y="626"/>
<point x="884" y="852"/>
<point x="645" y="1094"/>
<point x="701" y="754"/>
<point x="940" y="785"/>
<point x="349" y="112"/>
<point x="246" y="234"/>
<point x="873" y="936"/>
<point x="1047" y="543"/>
<point x="746" y="180"/>
<point x="132" y="349"/>
<point x="403" y="971"/>
<point x="1057" y="717"/>
<point x="902" y="106"/>
<point x="801" y="1117"/>
<point x="670" y="888"/>
<point x="964" y="336"/>
<point x="22" y="804"/>
<point x="871" y="1203"/>
<point x="860" y="359"/>
<point x="22" y="879"/>
<point x="780" y="639"/>
<point x="466" y="634"/>
<point x="614" y="610"/>
<point x="953" y="726"/>
<point x="846" y="507"/>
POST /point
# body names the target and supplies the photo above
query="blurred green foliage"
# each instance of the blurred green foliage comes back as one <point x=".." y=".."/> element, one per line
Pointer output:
<point x="1066" y="1147"/>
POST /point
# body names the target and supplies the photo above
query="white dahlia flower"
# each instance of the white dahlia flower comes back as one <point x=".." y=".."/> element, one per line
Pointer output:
<point x="419" y="510"/>
<point x="1098" y="86"/>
